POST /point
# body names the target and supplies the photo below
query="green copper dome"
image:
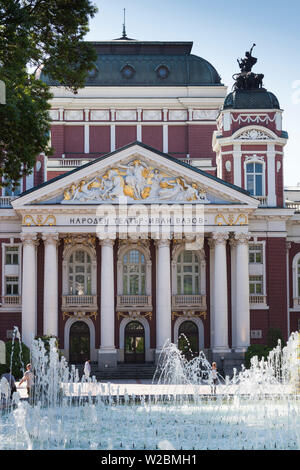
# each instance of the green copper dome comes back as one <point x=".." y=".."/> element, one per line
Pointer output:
<point x="137" y="63"/>
<point x="251" y="99"/>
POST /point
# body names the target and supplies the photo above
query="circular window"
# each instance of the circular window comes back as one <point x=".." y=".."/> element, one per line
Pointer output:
<point x="128" y="71"/>
<point x="162" y="71"/>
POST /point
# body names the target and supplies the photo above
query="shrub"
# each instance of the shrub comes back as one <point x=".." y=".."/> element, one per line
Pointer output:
<point x="17" y="362"/>
<point x="274" y="334"/>
<point x="259" y="350"/>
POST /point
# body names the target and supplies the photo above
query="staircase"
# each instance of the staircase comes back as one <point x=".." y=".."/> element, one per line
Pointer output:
<point x="121" y="372"/>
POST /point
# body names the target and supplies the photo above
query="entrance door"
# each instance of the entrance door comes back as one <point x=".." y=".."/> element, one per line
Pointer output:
<point x="134" y="343"/>
<point x="79" y="343"/>
<point x="188" y="339"/>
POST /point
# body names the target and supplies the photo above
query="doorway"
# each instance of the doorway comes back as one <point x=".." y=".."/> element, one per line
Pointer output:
<point x="188" y="339"/>
<point x="79" y="343"/>
<point x="134" y="343"/>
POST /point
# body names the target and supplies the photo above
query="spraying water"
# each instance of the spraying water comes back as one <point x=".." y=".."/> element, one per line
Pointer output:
<point x="258" y="408"/>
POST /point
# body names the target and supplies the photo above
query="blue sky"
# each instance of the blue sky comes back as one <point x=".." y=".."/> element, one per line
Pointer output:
<point x="222" y="30"/>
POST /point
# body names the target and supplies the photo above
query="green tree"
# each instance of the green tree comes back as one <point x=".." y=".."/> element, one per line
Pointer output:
<point x="37" y="35"/>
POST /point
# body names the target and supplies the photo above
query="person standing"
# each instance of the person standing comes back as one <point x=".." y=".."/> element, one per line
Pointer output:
<point x="87" y="369"/>
<point x="11" y="380"/>
<point x="29" y="379"/>
<point x="214" y="378"/>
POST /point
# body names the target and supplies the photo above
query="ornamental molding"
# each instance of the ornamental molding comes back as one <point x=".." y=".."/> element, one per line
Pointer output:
<point x="79" y="315"/>
<point x="39" y="220"/>
<point x="125" y="115"/>
<point x="254" y="134"/>
<point x="253" y="118"/>
<point x="205" y="114"/>
<point x="84" y="240"/>
<point x="231" y="219"/>
<point x="151" y="115"/>
<point x="190" y="314"/>
<point x="177" y="115"/>
<point x="76" y="115"/>
<point x="253" y="158"/>
<point x="99" y="115"/>
<point x="134" y="315"/>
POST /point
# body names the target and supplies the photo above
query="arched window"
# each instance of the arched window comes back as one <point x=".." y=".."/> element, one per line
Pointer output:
<point x="134" y="273"/>
<point x="188" y="273"/>
<point x="254" y="178"/>
<point x="79" y="273"/>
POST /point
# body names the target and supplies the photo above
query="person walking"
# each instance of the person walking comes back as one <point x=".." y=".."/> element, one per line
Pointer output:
<point x="11" y="380"/>
<point x="213" y="378"/>
<point x="29" y="379"/>
<point x="87" y="369"/>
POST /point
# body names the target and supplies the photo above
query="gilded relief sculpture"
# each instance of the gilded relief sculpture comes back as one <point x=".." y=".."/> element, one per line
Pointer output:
<point x="139" y="182"/>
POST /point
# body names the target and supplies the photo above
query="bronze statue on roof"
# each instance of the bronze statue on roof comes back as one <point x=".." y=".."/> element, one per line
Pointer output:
<point x="246" y="79"/>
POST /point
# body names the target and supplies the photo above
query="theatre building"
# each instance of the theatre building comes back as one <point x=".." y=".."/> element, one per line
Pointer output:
<point x="161" y="215"/>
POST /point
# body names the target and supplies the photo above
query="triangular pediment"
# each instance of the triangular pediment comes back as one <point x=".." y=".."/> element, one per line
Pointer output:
<point x="140" y="174"/>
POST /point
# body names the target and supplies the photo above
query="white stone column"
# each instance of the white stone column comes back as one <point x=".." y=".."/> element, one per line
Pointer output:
<point x="233" y="244"/>
<point x="163" y="294"/>
<point x="220" y="294"/>
<point x="107" y="352"/>
<point x="50" y="285"/>
<point x="211" y="244"/>
<point x="242" y="293"/>
<point x="29" y="290"/>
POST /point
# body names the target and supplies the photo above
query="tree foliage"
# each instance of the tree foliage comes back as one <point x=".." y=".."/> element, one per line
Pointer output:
<point x="35" y="35"/>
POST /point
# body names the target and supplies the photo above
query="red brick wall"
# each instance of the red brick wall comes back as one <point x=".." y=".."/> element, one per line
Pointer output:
<point x="178" y="141"/>
<point x="279" y="181"/>
<point x="153" y="136"/>
<point x="125" y="135"/>
<point x="58" y="140"/>
<point x="74" y="139"/>
<point x="54" y="174"/>
<point x="200" y="141"/>
<point x="276" y="283"/>
<point x="7" y="322"/>
<point x="100" y="139"/>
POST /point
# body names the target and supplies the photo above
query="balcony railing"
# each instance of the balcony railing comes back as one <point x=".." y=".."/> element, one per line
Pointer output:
<point x="130" y="301"/>
<point x="293" y="205"/>
<point x="196" y="301"/>
<point x="263" y="201"/>
<point x="79" y="301"/>
<point x="5" y="201"/>
<point x="11" y="300"/>
<point x="258" y="299"/>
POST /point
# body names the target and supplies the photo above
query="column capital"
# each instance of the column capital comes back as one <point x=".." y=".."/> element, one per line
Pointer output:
<point x="242" y="238"/>
<point x="50" y="238"/>
<point x="162" y="242"/>
<point x="220" y="238"/>
<point x="29" y="238"/>
<point x="106" y="241"/>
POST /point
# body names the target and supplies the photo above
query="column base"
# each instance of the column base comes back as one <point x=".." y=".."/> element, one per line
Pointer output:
<point x="107" y="358"/>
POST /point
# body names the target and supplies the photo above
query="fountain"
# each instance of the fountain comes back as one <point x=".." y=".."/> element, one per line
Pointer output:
<point x="257" y="408"/>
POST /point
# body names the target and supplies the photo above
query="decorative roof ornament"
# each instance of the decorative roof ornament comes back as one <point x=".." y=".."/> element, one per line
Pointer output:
<point x="124" y="34"/>
<point x="246" y="79"/>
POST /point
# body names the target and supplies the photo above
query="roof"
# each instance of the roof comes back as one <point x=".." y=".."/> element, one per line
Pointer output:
<point x="148" y="63"/>
<point x="251" y="99"/>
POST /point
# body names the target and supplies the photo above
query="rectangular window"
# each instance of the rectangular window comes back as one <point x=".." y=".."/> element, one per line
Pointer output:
<point x="11" y="255"/>
<point x="256" y="285"/>
<point x="255" y="254"/>
<point x="11" y="285"/>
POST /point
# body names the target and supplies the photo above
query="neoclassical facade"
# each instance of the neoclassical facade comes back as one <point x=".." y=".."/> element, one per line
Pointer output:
<point x="161" y="216"/>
